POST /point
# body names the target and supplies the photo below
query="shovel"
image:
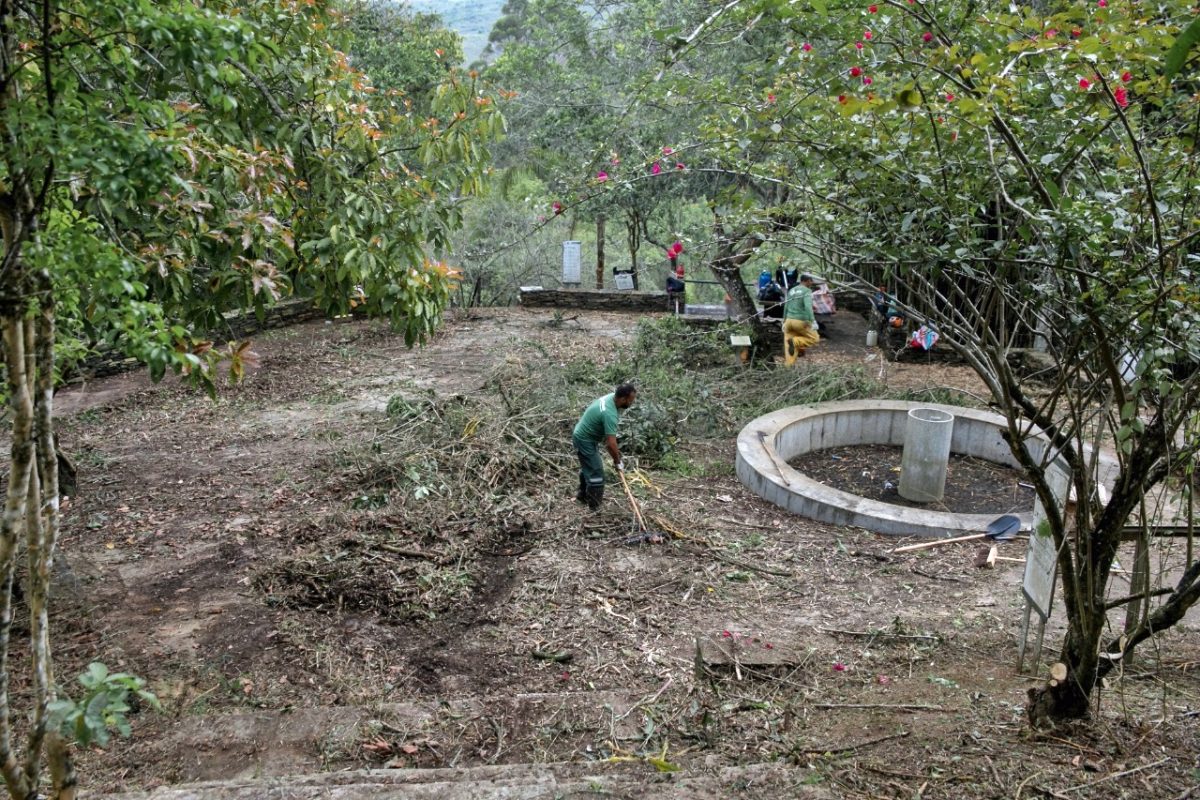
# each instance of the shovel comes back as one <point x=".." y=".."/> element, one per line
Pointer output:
<point x="1002" y="529"/>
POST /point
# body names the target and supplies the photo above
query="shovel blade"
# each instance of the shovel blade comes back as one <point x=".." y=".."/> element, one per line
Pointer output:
<point x="1003" y="529"/>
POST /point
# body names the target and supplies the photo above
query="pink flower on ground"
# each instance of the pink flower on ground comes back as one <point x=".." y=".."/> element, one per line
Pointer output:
<point x="927" y="36"/>
<point x="883" y="680"/>
<point x="1126" y="77"/>
<point x="602" y="176"/>
<point x="1085" y="84"/>
<point x="1121" y="96"/>
<point x="855" y="72"/>
<point x="726" y="634"/>
<point x="806" y="47"/>
<point x="839" y="666"/>
<point x="867" y="80"/>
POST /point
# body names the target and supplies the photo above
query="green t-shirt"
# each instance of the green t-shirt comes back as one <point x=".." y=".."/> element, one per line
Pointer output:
<point x="600" y="420"/>
<point x="799" y="304"/>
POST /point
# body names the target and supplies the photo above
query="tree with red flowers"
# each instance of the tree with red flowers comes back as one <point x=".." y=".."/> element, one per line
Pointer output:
<point x="1018" y="175"/>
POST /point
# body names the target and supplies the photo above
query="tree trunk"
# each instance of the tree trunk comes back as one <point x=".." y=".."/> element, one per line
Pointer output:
<point x="766" y="337"/>
<point x="12" y="525"/>
<point x="600" y="251"/>
<point x="1070" y="698"/>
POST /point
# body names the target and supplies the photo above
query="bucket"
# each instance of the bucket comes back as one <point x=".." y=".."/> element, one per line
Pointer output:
<point x="872" y="337"/>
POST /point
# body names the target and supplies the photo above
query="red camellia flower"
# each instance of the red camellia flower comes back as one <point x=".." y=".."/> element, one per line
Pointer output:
<point x="680" y="166"/>
<point x="655" y="169"/>
<point x="771" y="98"/>
<point x="858" y="45"/>
<point x="677" y="247"/>
<point x="872" y="9"/>
<point x="1050" y="34"/>
<point x="1121" y="96"/>
<point x="1076" y="33"/>
<point x="949" y="97"/>
<point x="868" y="35"/>
<point x="867" y="80"/>
<point x="806" y="47"/>
<point x="837" y="665"/>
<point x="557" y="206"/>
<point x="1102" y="3"/>
<point x="855" y="72"/>
<point x="927" y="36"/>
<point x="954" y="136"/>
<point x="602" y="176"/>
<point x="841" y="98"/>
<point x="1125" y="76"/>
<point x="1084" y="84"/>
<point x="667" y="151"/>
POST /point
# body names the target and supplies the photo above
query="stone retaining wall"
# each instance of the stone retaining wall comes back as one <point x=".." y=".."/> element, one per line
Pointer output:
<point x="593" y="300"/>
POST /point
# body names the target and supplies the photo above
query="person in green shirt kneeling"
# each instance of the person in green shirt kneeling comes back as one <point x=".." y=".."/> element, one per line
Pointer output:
<point x="799" y="323"/>
<point x="597" y="426"/>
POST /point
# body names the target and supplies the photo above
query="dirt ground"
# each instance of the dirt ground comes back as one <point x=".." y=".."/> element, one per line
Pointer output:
<point x="295" y="613"/>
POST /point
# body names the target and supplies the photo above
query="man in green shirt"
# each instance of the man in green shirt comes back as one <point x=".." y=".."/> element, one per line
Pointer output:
<point x="597" y="426"/>
<point x="799" y="323"/>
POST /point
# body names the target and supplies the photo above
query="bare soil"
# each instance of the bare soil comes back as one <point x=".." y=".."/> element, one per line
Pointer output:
<point x="303" y="601"/>
<point x="973" y="486"/>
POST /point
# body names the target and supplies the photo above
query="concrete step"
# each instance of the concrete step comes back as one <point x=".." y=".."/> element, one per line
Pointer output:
<point x="507" y="782"/>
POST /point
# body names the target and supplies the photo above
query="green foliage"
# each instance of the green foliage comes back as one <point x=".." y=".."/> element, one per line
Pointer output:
<point x="104" y="706"/>
<point x="399" y="49"/>
<point x="1182" y="47"/>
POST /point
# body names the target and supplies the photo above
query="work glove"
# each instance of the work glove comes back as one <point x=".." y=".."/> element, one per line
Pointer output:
<point x="620" y="466"/>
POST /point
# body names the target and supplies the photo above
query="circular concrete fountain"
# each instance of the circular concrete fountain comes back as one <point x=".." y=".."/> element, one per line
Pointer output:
<point x="767" y="444"/>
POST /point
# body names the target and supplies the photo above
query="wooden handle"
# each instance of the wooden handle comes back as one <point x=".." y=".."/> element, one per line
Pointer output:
<point x="637" y="514"/>
<point x="938" y="543"/>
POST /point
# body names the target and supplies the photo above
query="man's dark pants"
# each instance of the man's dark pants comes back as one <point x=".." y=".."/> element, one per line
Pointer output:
<point x="591" y="472"/>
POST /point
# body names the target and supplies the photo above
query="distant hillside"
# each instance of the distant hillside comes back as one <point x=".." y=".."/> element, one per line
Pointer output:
<point x="473" y="19"/>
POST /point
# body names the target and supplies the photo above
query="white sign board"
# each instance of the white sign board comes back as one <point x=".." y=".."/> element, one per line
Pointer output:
<point x="624" y="280"/>
<point x="1041" y="560"/>
<point x="571" y="263"/>
<point x="1041" y="567"/>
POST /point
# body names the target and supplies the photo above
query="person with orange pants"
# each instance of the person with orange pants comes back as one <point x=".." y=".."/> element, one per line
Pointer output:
<point x="799" y="322"/>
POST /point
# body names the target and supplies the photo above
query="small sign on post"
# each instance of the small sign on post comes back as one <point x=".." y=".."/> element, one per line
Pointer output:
<point x="624" y="281"/>
<point x="571" y="264"/>
<point x="1041" y="562"/>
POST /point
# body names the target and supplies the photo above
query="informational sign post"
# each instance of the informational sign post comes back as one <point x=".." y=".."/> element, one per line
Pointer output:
<point x="624" y="281"/>
<point x="571" y="265"/>
<point x="1041" y="562"/>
